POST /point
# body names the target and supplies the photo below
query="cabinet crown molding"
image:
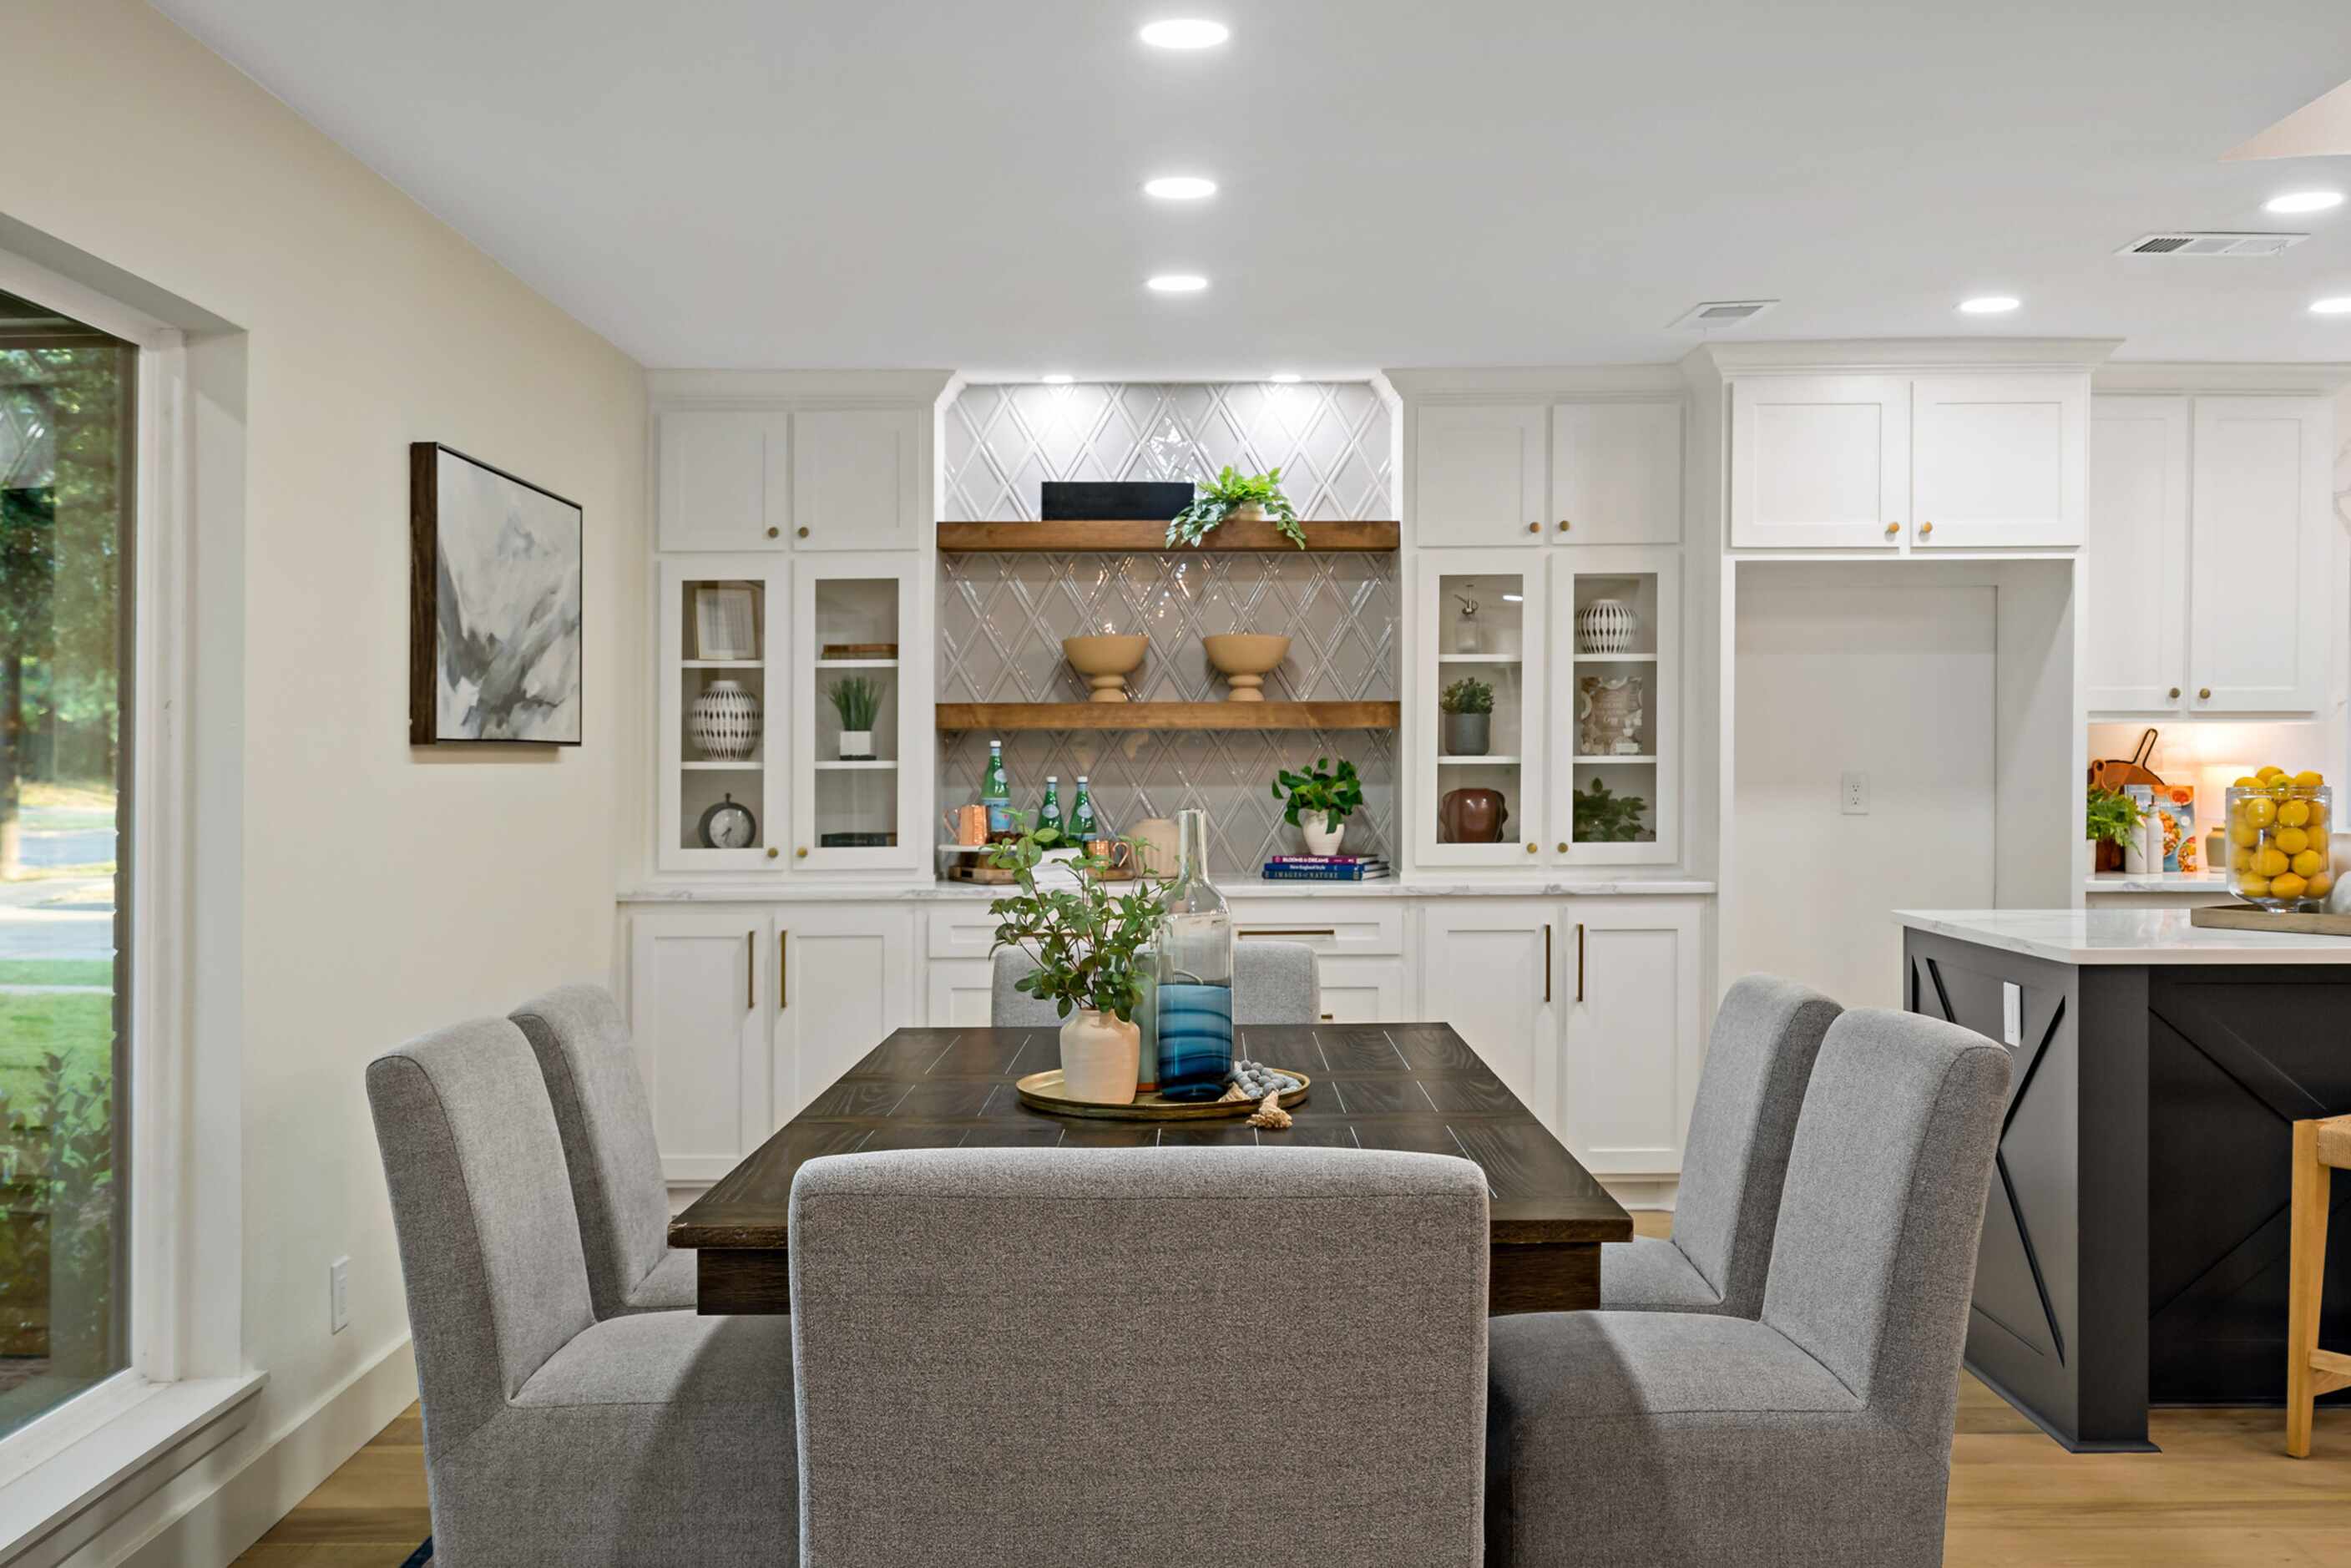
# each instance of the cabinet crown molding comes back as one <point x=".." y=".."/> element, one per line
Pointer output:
<point x="1895" y="354"/>
<point x="1536" y="383"/>
<point x="2186" y="376"/>
<point x="786" y="389"/>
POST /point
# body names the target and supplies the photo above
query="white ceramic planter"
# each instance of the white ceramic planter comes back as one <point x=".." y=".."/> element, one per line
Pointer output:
<point x="1322" y="832"/>
<point x="856" y="744"/>
<point x="1099" y="1057"/>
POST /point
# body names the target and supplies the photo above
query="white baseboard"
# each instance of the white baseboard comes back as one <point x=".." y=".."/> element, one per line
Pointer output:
<point x="1644" y="1192"/>
<point x="217" y="1508"/>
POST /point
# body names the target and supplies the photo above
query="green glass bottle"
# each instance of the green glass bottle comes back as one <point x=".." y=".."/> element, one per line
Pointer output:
<point x="1048" y="815"/>
<point x="996" y="793"/>
<point x="1082" y="825"/>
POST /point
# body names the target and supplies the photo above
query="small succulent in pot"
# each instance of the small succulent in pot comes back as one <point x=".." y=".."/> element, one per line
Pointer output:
<point x="858" y="702"/>
<point x="1320" y="801"/>
<point x="1233" y="496"/>
<point x="1469" y="707"/>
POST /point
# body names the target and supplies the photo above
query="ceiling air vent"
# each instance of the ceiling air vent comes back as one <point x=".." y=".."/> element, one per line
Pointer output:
<point x="2186" y="242"/>
<point x="1723" y="313"/>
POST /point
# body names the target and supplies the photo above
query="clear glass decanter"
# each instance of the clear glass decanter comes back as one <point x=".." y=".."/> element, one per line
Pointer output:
<point x="1194" y="1005"/>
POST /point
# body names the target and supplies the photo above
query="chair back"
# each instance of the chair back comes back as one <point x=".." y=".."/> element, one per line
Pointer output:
<point x="1758" y="1063"/>
<point x="1273" y="983"/>
<point x="1066" y="1357"/>
<point x="489" y="1242"/>
<point x="1874" y="1256"/>
<point x="589" y="1066"/>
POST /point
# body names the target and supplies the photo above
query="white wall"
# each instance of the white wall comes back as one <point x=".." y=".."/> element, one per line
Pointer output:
<point x="385" y="890"/>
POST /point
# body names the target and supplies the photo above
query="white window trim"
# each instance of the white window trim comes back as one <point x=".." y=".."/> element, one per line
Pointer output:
<point x="186" y="1377"/>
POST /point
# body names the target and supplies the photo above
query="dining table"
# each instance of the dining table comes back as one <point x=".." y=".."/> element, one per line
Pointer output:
<point x="1416" y="1087"/>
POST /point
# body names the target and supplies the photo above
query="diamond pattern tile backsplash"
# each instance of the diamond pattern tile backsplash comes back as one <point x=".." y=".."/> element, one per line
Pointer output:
<point x="1002" y="617"/>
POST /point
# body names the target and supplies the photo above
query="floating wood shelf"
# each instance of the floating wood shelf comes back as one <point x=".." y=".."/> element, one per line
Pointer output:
<point x="1169" y="715"/>
<point x="1076" y="537"/>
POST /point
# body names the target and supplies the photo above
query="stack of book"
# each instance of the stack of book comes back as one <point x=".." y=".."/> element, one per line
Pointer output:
<point x="1327" y="868"/>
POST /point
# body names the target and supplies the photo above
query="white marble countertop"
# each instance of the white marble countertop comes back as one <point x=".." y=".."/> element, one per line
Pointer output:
<point x="2157" y="881"/>
<point x="2122" y="936"/>
<point x="1235" y="887"/>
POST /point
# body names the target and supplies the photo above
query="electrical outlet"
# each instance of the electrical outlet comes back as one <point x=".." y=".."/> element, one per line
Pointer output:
<point x="1857" y="794"/>
<point x="338" y="1295"/>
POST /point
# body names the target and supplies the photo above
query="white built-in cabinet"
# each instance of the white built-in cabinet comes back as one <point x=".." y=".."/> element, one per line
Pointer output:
<point x="2212" y="555"/>
<point x="763" y="479"/>
<point x="706" y="641"/>
<point x="1592" y="471"/>
<point x="1903" y="463"/>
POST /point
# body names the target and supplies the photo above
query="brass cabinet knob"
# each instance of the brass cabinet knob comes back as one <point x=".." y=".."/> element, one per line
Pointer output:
<point x="2204" y="693"/>
<point x="1532" y="848"/>
<point x="1926" y="528"/>
<point x="1562" y="848"/>
<point x="801" y="852"/>
<point x="1892" y="529"/>
<point x="775" y="533"/>
<point x="2175" y="691"/>
<point x="1534" y="527"/>
<point x="803" y="532"/>
<point x="773" y="852"/>
<point x="1564" y="524"/>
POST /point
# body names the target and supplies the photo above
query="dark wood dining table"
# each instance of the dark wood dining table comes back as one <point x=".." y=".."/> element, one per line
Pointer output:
<point x="1409" y="1086"/>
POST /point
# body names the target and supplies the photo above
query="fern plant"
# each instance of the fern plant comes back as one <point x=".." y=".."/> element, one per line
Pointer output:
<point x="1227" y="493"/>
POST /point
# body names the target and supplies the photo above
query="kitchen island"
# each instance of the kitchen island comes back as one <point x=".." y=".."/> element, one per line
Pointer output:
<point x="2135" y="1242"/>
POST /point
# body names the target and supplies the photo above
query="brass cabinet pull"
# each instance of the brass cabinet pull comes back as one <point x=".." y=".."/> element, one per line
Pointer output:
<point x="1563" y="525"/>
<point x="2204" y="694"/>
<point x="783" y="970"/>
<point x="1562" y="848"/>
<point x="775" y="533"/>
<point x="1331" y="932"/>
<point x="1926" y="528"/>
<point x="1329" y="1018"/>
<point x="1579" y="960"/>
<point x="803" y="533"/>
<point x="1546" y="963"/>
<point x="750" y="970"/>
<point x="773" y="852"/>
<point x="1534" y="527"/>
<point x="1892" y="529"/>
<point x="2175" y="691"/>
<point x="1533" y="848"/>
<point x="801" y="852"/>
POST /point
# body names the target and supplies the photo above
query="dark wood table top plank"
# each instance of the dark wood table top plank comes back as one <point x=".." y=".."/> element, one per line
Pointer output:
<point x="1416" y="1087"/>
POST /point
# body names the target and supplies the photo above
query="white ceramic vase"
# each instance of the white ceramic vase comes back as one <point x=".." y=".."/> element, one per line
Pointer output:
<point x="1322" y="832"/>
<point x="1605" y="626"/>
<point x="1099" y="1057"/>
<point x="724" y="722"/>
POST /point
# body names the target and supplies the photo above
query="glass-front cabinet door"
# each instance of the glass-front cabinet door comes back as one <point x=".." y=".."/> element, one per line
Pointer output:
<point x="1615" y="732"/>
<point x="723" y="704"/>
<point x="856" y="714"/>
<point x="1479" y="746"/>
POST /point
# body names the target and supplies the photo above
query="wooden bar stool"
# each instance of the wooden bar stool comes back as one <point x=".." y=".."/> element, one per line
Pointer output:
<point x="2320" y="1148"/>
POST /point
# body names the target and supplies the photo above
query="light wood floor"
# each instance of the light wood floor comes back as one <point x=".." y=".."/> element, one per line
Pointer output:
<point x="2220" y="1495"/>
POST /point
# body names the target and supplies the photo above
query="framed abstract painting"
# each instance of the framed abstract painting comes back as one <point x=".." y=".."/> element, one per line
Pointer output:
<point x="494" y="646"/>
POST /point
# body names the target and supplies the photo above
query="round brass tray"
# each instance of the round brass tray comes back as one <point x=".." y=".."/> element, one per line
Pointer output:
<point x="1042" y="1091"/>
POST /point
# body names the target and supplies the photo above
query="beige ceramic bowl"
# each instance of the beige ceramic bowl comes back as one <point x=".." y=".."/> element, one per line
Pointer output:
<point x="1105" y="662"/>
<point x="1245" y="659"/>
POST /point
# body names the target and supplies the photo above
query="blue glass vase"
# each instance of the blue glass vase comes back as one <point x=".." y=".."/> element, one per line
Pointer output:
<point x="1193" y="1003"/>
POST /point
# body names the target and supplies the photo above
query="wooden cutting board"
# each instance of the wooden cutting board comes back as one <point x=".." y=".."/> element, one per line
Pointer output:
<point x="2250" y="917"/>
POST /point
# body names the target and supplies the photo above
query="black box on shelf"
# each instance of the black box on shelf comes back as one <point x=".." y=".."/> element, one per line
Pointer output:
<point x="1114" y="500"/>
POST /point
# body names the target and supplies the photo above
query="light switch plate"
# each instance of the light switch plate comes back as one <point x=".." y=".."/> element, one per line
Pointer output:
<point x="338" y="1295"/>
<point x="2011" y="1013"/>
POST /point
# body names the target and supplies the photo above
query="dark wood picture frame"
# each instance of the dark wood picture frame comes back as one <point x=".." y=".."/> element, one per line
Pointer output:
<point x="424" y="597"/>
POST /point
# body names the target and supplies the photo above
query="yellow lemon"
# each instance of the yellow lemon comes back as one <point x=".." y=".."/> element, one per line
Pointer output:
<point x="2244" y="835"/>
<point x="2253" y="886"/>
<point x="2317" y="839"/>
<point x="2320" y="885"/>
<point x="2317" y="811"/>
<point x="2292" y="840"/>
<point x="2286" y="886"/>
<point x="2309" y="863"/>
<point x="2267" y="774"/>
<point x="2241" y="860"/>
<point x="2309" y="779"/>
<point x="2270" y="863"/>
<point x="2293" y="814"/>
<point x="2247" y="782"/>
<point x="2260" y="811"/>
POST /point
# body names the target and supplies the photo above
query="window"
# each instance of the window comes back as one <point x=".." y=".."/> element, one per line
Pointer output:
<point x="67" y="500"/>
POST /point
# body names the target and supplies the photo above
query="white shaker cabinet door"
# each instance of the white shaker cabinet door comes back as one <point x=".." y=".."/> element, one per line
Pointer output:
<point x="1488" y="968"/>
<point x="1820" y="462"/>
<point x="1478" y="475"/>
<point x="856" y="479"/>
<point x="724" y="480"/>
<point x="2135" y="652"/>
<point x="1616" y="472"/>
<point x="701" y="987"/>
<point x="2263" y="587"/>
<point x="1633" y="1043"/>
<point x="845" y="979"/>
<point x="1998" y="461"/>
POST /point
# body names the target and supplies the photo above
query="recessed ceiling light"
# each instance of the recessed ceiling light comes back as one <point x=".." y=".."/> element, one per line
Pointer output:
<point x="1179" y="188"/>
<point x="1177" y="283"/>
<point x="2339" y="305"/>
<point x="1286" y="378"/>
<point x="1989" y="304"/>
<point x="2303" y="202"/>
<point x="1055" y="381"/>
<point x="1186" y="32"/>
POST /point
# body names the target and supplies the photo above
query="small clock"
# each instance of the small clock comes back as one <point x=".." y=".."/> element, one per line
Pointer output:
<point x="727" y="826"/>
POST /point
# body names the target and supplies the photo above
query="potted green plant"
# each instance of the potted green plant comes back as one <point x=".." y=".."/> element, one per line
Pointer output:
<point x="1320" y="801"/>
<point x="1469" y="707"/>
<point x="2111" y="821"/>
<point x="1237" y="497"/>
<point x="1602" y="817"/>
<point x="1085" y="941"/>
<point x="858" y="701"/>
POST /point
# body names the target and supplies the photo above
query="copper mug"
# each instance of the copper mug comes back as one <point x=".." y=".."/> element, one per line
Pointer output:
<point x="968" y="825"/>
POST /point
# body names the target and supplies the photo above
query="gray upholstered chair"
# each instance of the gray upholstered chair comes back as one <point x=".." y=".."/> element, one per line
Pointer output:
<point x="552" y="1439"/>
<point x="591" y="1069"/>
<point x="1061" y="1358"/>
<point x="1273" y="983"/>
<point x="1766" y="1034"/>
<point x="1819" y="1434"/>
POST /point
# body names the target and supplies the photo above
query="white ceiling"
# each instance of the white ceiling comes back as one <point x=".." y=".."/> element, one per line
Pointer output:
<point x="927" y="183"/>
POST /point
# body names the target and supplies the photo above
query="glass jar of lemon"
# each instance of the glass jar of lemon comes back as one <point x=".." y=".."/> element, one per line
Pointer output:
<point x="2278" y="839"/>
